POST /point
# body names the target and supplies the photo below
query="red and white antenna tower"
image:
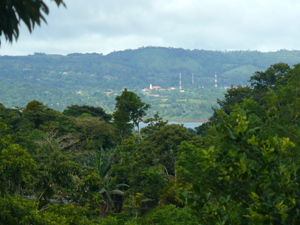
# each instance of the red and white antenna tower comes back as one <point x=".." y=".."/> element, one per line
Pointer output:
<point x="193" y="81"/>
<point x="216" y="82"/>
<point x="180" y="82"/>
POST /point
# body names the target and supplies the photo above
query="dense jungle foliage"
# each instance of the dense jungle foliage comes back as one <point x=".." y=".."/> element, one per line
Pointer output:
<point x="84" y="166"/>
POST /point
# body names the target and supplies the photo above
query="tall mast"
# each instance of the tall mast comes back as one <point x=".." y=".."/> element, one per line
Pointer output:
<point x="216" y="82"/>
<point x="180" y="82"/>
<point x="193" y="81"/>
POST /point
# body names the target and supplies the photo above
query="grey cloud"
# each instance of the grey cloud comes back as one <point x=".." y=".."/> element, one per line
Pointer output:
<point x="108" y="25"/>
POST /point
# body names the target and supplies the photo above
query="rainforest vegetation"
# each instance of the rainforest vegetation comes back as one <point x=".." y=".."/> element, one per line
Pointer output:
<point x="85" y="166"/>
<point x="80" y="164"/>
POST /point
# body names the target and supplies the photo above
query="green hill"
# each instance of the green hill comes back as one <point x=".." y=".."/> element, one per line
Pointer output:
<point x="56" y="80"/>
<point x="139" y="68"/>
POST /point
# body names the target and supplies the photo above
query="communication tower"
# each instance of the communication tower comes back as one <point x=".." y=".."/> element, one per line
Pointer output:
<point x="216" y="82"/>
<point x="180" y="82"/>
<point x="193" y="81"/>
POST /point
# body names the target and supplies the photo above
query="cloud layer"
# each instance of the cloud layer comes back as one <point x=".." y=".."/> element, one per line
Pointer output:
<point x="108" y="25"/>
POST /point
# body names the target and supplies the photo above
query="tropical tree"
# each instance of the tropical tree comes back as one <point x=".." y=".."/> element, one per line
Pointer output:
<point x="249" y="160"/>
<point x="264" y="79"/>
<point x="154" y="124"/>
<point x="16" y="169"/>
<point x="103" y="161"/>
<point x="129" y="107"/>
<point x="93" y="132"/>
<point x="77" y="111"/>
<point x="16" y="164"/>
<point x="122" y="123"/>
<point x="149" y="166"/>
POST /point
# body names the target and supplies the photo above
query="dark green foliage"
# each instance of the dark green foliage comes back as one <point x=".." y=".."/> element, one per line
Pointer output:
<point x="17" y="166"/>
<point x="18" y="210"/>
<point x="260" y="83"/>
<point x="149" y="167"/>
<point x="130" y="102"/>
<point x="38" y="114"/>
<point x="76" y="111"/>
<point x="103" y="161"/>
<point x="264" y="79"/>
<point x="168" y="214"/>
<point x="154" y="124"/>
<point x="247" y="164"/>
<point x="122" y="123"/>
<point x="243" y="168"/>
<point x="129" y="108"/>
<point x="249" y="158"/>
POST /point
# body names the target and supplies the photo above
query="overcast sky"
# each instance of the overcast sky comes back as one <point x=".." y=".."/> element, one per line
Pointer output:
<point x="104" y="26"/>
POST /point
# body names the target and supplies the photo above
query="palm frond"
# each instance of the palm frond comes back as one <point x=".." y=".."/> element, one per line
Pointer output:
<point x="103" y="190"/>
<point x="121" y="185"/>
<point x="116" y="192"/>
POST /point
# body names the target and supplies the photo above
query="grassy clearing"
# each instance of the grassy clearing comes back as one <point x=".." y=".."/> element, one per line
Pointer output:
<point x="164" y="105"/>
<point x="192" y="101"/>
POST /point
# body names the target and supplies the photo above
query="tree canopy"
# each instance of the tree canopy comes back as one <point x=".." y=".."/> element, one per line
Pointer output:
<point x="71" y="168"/>
<point x="129" y="107"/>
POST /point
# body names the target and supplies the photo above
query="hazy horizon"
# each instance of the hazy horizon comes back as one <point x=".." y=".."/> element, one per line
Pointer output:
<point x="237" y="50"/>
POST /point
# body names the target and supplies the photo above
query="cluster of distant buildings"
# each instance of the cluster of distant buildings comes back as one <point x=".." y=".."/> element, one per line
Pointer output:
<point x="148" y="91"/>
<point x="151" y="87"/>
<point x="159" y="89"/>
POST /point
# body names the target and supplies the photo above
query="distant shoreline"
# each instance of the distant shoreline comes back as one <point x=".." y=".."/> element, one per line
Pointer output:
<point x="190" y="121"/>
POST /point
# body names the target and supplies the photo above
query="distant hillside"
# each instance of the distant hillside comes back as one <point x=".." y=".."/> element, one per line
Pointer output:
<point x="138" y="68"/>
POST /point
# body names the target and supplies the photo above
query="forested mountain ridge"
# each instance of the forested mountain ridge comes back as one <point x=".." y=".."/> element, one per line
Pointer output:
<point x="140" y="67"/>
<point x="96" y="79"/>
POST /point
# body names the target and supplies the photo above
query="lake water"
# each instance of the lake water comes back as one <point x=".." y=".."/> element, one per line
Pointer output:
<point x="187" y="124"/>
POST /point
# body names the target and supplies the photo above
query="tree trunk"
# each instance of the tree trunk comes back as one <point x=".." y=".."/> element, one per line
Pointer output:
<point x="138" y="128"/>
